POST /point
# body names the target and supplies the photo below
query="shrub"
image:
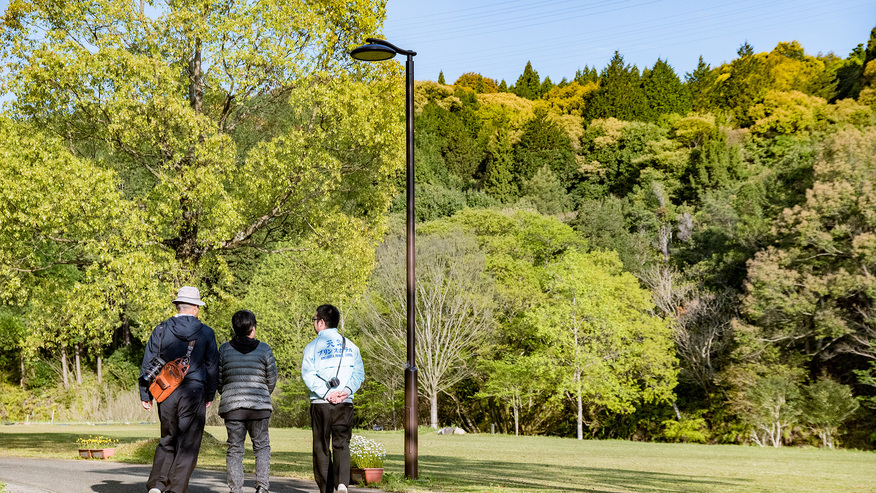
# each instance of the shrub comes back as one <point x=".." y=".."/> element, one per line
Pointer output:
<point x="365" y="452"/>
<point x="688" y="430"/>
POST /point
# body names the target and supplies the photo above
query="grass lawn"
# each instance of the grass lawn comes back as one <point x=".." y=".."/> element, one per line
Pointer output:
<point x="479" y="463"/>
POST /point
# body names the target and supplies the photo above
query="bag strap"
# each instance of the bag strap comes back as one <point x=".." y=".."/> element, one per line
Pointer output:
<point x="185" y="360"/>
<point x="343" y="349"/>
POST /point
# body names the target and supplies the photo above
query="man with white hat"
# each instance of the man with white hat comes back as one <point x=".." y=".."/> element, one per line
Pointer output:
<point x="184" y="413"/>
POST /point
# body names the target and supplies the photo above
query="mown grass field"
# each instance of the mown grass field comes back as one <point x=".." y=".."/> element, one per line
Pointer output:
<point x="478" y="463"/>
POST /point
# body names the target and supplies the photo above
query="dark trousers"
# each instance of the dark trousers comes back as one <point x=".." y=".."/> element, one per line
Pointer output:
<point x="332" y="429"/>
<point x="182" y="416"/>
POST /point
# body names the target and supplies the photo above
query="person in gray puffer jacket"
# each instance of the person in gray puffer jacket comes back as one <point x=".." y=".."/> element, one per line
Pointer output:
<point x="247" y="376"/>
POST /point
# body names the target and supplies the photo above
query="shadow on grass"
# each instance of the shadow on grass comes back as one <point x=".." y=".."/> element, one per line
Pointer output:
<point x="473" y="473"/>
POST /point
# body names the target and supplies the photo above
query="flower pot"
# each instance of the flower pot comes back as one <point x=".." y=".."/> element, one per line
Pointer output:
<point x="102" y="453"/>
<point x="366" y="475"/>
<point x="85" y="453"/>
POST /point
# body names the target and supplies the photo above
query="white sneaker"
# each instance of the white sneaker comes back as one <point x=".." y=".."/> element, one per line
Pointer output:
<point x="341" y="488"/>
<point x="154" y="490"/>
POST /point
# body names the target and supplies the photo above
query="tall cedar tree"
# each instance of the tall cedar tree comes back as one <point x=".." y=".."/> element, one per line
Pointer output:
<point x="543" y="143"/>
<point x="745" y="84"/>
<point x="664" y="91"/>
<point x="528" y="84"/>
<point x="619" y="95"/>
<point x="700" y="84"/>
<point x="585" y="75"/>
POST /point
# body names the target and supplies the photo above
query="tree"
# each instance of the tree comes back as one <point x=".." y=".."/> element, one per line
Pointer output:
<point x="700" y="84"/>
<point x="477" y="82"/>
<point x="826" y="405"/>
<point x="516" y="381"/>
<point x="609" y="351"/>
<point x="620" y="93"/>
<point x="741" y="84"/>
<point x="441" y="77"/>
<point x="547" y="192"/>
<point x="812" y="293"/>
<point x="226" y="133"/>
<point x="528" y="84"/>
<point x="545" y="87"/>
<point x="770" y="406"/>
<point x="453" y="313"/>
<point x="499" y="182"/>
<point x="570" y="99"/>
<point x="543" y="143"/>
<point x="664" y="91"/>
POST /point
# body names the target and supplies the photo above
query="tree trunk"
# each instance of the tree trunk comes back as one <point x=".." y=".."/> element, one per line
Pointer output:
<point x="516" y="420"/>
<point x="99" y="368"/>
<point x="21" y="357"/>
<point x="64" y="369"/>
<point x="580" y="418"/>
<point x="126" y="332"/>
<point x="78" y="367"/>
<point x="433" y="399"/>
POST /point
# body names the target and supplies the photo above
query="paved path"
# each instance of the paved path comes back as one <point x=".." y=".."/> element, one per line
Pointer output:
<point x="28" y="475"/>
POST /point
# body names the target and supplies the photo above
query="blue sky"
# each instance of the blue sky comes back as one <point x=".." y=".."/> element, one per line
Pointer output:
<point x="497" y="37"/>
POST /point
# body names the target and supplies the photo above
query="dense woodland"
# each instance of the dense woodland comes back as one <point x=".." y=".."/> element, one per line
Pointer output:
<point x="628" y="253"/>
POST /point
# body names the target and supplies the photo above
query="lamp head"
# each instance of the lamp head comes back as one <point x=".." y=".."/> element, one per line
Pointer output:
<point x="373" y="53"/>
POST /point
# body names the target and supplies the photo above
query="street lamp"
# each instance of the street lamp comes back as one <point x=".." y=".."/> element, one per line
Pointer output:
<point x="377" y="50"/>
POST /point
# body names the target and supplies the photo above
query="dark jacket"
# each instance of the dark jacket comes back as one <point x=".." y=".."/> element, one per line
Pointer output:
<point x="173" y="336"/>
<point x="247" y="376"/>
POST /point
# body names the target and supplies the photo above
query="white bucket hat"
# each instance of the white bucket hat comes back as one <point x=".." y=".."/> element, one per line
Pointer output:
<point x="190" y="295"/>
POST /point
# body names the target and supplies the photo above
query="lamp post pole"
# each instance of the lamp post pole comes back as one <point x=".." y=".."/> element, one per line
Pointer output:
<point x="376" y="50"/>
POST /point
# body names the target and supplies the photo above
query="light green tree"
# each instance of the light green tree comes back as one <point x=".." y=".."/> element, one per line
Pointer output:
<point x="228" y="131"/>
<point x="826" y="406"/>
<point x="610" y="352"/>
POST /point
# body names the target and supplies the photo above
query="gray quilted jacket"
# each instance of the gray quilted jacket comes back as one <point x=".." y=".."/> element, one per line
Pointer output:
<point x="246" y="380"/>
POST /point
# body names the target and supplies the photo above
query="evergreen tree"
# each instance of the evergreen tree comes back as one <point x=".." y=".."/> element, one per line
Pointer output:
<point x="543" y="143"/>
<point x="546" y="86"/>
<point x="546" y="191"/>
<point x="499" y="182"/>
<point x="528" y="84"/>
<point x="745" y="82"/>
<point x="585" y="75"/>
<point x="700" y="84"/>
<point x="441" y="77"/>
<point x="619" y="95"/>
<point x="503" y="86"/>
<point x="664" y="91"/>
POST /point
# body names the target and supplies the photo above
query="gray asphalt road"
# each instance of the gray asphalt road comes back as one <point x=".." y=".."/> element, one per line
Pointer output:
<point x="25" y="475"/>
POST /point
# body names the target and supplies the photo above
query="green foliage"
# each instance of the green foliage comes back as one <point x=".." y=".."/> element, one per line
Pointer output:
<point x="499" y="182"/>
<point x="770" y="407"/>
<point x="543" y="143"/>
<point x="700" y="84"/>
<point x="611" y="352"/>
<point x="476" y="82"/>
<point x="811" y="291"/>
<point x="12" y="402"/>
<point x="826" y="406"/>
<point x="687" y="430"/>
<point x="741" y="84"/>
<point x="664" y="91"/>
<point x="547" y="192"/>
<point x="528" y="85"/>
<point x="619" y="95"/>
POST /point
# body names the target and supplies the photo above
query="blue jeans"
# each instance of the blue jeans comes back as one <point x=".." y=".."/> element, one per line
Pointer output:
<point x="261" y="445"/>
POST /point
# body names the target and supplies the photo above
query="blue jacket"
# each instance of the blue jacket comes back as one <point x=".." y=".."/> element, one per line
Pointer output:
<point x="173" y="337"/>
<point x="322" y="360"/>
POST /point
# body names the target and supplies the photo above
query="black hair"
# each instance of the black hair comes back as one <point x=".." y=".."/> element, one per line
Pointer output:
<point x="329" y="314"/>
<point x="243" y="322"/>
